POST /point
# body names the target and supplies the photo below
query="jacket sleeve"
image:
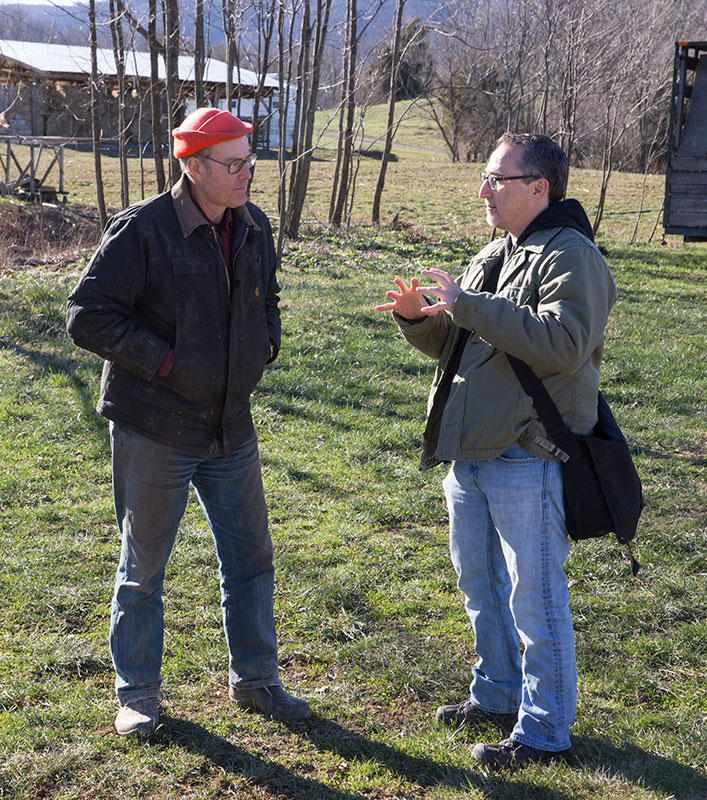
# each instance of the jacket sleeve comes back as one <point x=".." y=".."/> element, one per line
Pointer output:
<point x="427" y="335"/>
<point x="101" y="309"/>
<point x="558" y="329"/>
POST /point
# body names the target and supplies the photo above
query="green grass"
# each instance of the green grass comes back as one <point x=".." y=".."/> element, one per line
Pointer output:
<point x="371" y="626"/>
<point x="430" y="195"/>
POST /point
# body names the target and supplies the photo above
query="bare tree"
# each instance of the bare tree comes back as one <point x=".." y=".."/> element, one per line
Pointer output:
<point x="157" y="51"/>
<point x="95" y="120"/>
<point x="155" y="111"/>
<point x="236" y="22"/>
<point x="633" y="95"/>
<point x="265" y="17"/>
<point x="230" y="27"/>
<point x="387" y="147"/>
<point x="312" y="40"/>
<point x="170" y="16"/>
<point x="340" y="183"/>
<point x="116" y="32"/>
<point x="199" y="54"/>
<point x="343" y="182"/>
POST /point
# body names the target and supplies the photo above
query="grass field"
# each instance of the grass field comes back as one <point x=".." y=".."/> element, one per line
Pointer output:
<point x="371" y="626"/>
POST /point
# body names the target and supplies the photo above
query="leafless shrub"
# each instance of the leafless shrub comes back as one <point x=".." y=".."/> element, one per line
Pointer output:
<point x="35" y="235"/>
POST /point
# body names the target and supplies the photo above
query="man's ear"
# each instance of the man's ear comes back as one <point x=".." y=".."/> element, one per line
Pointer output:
<point x="541" y="188"/>
<point x="195" y="167"/>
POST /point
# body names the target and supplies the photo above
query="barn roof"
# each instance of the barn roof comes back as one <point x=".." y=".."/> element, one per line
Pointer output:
<point x="72" y="64"/>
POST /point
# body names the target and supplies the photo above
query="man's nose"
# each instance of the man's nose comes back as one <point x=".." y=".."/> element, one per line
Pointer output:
<point x="485" y="189"/>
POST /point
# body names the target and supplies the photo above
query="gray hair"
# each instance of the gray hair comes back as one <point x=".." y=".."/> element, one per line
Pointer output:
<point x="543" y="157"/>
<point x="197" y="154"/>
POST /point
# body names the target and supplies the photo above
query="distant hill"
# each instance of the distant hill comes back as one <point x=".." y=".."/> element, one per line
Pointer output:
<point x="48" y="22"/>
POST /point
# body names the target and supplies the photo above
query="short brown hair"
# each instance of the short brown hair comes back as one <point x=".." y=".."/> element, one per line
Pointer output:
<point x="542" y="157"/>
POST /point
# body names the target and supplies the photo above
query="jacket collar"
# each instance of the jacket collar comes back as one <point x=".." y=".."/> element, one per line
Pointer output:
<point x="189" y="214"/>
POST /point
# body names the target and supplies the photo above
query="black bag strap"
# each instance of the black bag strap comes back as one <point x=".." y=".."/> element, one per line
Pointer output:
<point x="562" y="442"/>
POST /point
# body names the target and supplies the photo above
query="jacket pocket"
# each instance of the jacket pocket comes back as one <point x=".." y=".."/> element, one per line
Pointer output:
<point x="201" y="266"/>
<point x="521" y="295"/>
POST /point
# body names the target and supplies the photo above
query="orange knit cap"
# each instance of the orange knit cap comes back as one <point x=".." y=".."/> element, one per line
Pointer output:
<point x="207" y="126"/>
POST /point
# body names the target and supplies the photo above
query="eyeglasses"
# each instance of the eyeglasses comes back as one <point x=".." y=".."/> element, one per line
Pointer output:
<point x="235" y="166"/>
<point x="494" y="180"/>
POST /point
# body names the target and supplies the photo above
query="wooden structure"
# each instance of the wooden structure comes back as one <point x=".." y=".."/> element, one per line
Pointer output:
<point x="36" y="64"/>
<point x="24" y="171"/>
<point x="685" y="210"/>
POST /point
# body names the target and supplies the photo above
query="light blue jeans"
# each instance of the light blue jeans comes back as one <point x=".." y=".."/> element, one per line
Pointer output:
<point x="150" y="488"/>
<point x="508" y="544"/>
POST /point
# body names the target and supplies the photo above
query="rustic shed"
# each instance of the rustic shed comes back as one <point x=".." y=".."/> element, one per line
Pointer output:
<point x="685" y="211"/>
<point x="29" y="70"/>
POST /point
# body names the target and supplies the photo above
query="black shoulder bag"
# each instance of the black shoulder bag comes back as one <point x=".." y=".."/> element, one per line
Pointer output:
<point x="602" y="490"/>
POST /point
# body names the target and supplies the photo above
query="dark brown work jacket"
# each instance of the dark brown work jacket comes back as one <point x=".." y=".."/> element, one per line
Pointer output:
<point x="159" y="280"/>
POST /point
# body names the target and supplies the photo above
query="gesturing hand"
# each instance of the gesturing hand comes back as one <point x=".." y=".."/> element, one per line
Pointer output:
<point x="407" y="302"/>
<point x="447" y="291"/>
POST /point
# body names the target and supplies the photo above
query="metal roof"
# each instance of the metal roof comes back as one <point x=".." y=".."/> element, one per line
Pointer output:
<point x="71" y="62"/>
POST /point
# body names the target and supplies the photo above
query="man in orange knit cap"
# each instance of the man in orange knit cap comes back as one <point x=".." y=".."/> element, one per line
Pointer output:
<point x="181" y="300"/>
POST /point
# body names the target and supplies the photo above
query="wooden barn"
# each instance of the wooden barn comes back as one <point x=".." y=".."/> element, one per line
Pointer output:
<point x="685" y="210"/>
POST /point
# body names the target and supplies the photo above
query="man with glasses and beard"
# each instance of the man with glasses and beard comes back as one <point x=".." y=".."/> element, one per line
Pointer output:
<point x="181" y="300"/>
<point x="542" y="293"/>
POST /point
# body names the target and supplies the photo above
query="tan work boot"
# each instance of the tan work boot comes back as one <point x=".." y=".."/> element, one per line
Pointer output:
<point x="137" y="717"/>
<point x="273" y="701"/>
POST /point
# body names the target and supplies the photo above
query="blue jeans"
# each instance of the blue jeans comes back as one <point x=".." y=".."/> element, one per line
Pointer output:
<point x="508" y="544"/>
<point x="150" y="488"/>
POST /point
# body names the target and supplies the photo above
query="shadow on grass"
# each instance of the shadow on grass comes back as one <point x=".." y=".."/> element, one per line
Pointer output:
<point x="657" y="455"/>
<point x="278" y="780"/>
<point x="68" y="367"/>
<point x="634" y="765"/>
<point x="328" y="736"/>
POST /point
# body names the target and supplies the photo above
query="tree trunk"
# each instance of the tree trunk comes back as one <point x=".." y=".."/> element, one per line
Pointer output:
<point x="311" y="77"/>
<point x="155" y="111"/>
<point x="301" y="101"/>
<point x="284" y="80"/>
<point x="116" y="35"/>
<point x="607" y="164"/>
<point x="348" y="100"/>
<point x="95" y="119"/>
<point x="266" y="25"/>
<point x="170" y="11"/>
<point x="199" y="54"/>
<point x="395" y="59"/>
<point x="228" y="15"/>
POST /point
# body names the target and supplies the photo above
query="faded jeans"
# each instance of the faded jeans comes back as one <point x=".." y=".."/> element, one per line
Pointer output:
<point x="508" y="544"/>
<point x="150" y="487"/>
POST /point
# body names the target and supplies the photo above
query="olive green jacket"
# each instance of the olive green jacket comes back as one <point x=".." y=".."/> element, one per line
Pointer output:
<point x="550" y="309"/>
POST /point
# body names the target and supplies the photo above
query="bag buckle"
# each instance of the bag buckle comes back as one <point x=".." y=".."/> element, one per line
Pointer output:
<point x="552" y="448"/>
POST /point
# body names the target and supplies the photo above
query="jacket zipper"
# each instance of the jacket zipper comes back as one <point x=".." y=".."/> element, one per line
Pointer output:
<point x="219" y="247"/>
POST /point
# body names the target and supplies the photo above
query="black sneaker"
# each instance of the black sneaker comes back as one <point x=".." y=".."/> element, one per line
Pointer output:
<point x="466" y="713"/>
<point x="509" y="753"/>
<point x="273" y="701"/>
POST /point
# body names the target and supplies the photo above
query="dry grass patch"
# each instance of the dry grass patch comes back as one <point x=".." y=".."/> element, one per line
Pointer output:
<point x="33" y="235"/>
